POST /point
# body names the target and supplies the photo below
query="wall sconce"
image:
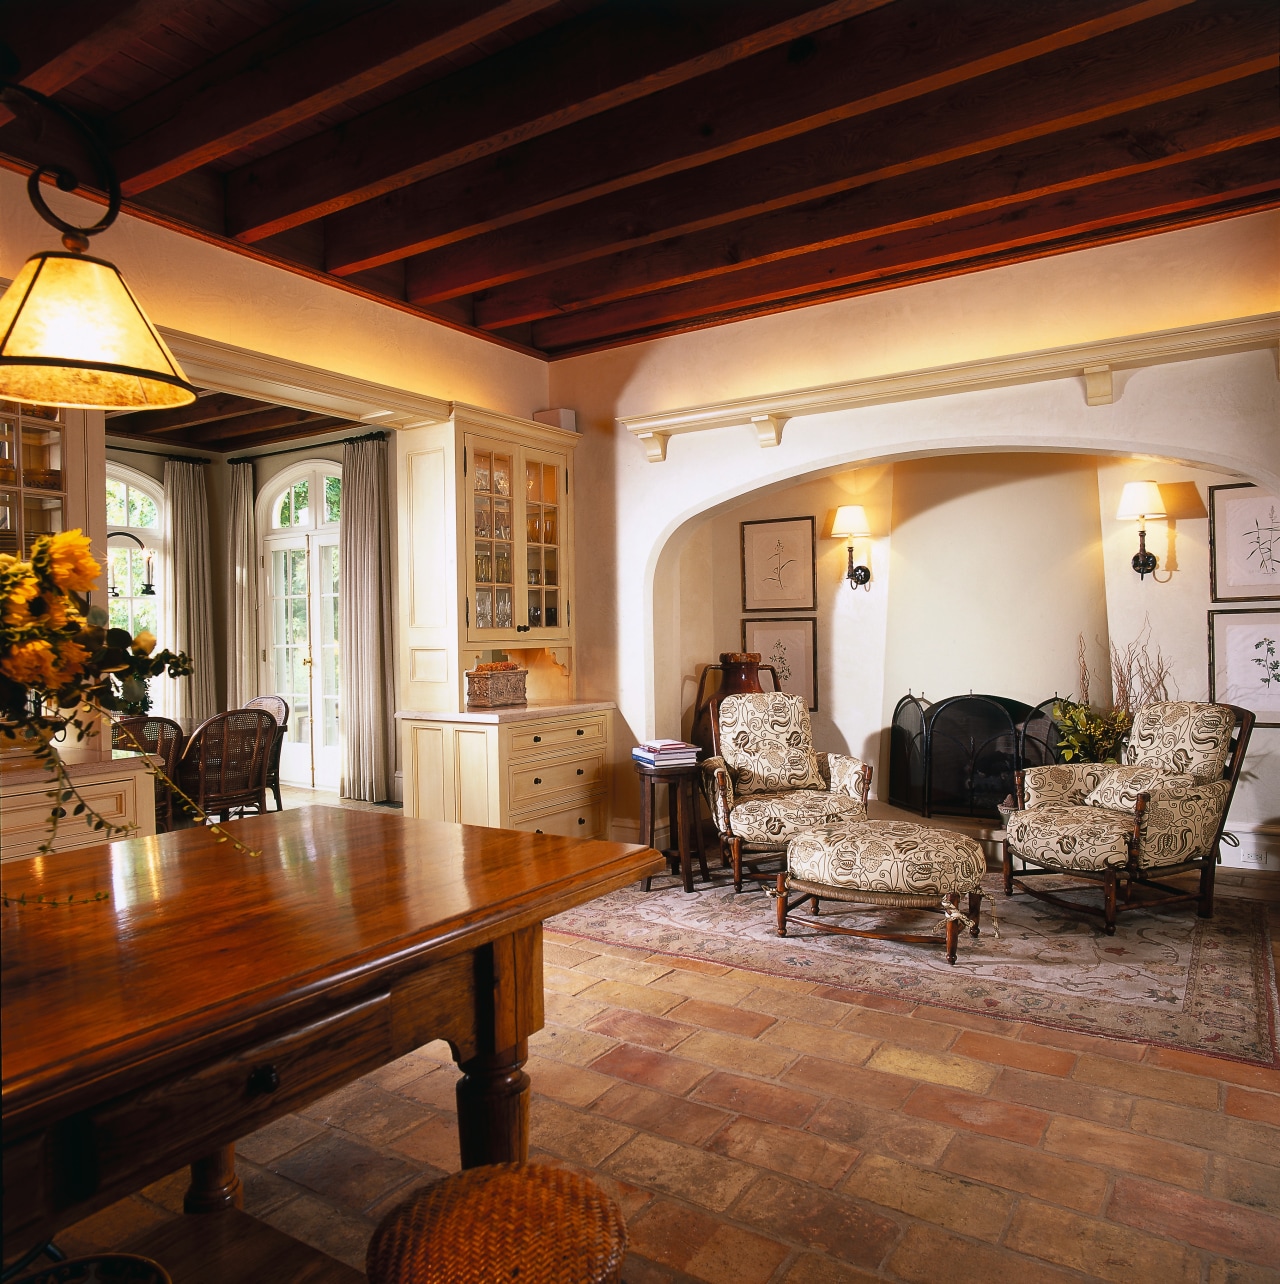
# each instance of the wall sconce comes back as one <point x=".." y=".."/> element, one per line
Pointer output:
<point x="71" y="332"/>
<point x="850" y="523"/>
<point x="1138" y="501"/>
<point x="148" y="588"/>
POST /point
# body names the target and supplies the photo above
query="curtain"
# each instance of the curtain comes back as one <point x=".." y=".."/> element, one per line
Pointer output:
<point x="242" y="589"/>
<point x="188" y="624"/>
<point x="364" y="631"/>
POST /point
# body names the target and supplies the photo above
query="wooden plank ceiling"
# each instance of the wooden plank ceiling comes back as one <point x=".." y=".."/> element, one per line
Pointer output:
<point x="570" y="175"/>
<point x="221" y="422"/>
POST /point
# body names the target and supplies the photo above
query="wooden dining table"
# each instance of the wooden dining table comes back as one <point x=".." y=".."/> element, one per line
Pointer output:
<point x="215" y="989"/>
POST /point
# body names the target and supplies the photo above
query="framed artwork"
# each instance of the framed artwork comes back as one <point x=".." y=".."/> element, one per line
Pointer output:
<point x="778" y="572"/>
<point x="1244" y="544"/>
<point x="791" y="646"/>
<point x="1244" y="660"/>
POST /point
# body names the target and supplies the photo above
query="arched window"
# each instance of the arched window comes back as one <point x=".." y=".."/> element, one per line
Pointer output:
<point x="135" y="547"/>
<point x="298" y="513"/>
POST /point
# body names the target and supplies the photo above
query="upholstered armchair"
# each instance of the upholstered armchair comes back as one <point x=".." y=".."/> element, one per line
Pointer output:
<point x="1125" y="826"/>
<point x="766" y="783"/>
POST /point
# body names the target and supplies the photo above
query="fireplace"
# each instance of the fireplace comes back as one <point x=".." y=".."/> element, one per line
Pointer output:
<point x="958" y="757"/>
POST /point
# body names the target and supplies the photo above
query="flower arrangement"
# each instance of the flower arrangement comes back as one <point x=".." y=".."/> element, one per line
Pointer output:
<point x="63" y="669"/>
<point x="1087" y="735"/>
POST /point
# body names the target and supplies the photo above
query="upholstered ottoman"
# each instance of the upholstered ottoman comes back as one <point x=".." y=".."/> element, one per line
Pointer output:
<point x="890" y="863"/>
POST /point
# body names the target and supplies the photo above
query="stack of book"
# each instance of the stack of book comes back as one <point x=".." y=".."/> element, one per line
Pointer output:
<point x="666" y="753"/>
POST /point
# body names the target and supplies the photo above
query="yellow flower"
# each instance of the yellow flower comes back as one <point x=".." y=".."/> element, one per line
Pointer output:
<point x="32" y="664"/>
<point x="144" y="643"/>
<point x="19" y="595"/>
<point x="71" y="564"/>
<point x="72" y="658"/>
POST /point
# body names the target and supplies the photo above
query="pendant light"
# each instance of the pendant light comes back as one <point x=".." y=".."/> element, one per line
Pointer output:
<point x="71" y="331"/>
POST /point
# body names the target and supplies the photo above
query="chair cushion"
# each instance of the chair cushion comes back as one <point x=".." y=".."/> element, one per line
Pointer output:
<point x="1119" y="787"/>
<point x="1182" y="735"/>
<point x="1061" y="836"/>
<point x="888" y="856"/>
<point x="772" y="818"/>
<point x="767" y="744"/>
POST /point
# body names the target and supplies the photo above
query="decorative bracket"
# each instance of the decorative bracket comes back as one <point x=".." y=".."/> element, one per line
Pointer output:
<point x="1098" y="389"/>
<point x="768" y="429"/>
<point x="563" y="656"/>
<point x="655" y="445"/>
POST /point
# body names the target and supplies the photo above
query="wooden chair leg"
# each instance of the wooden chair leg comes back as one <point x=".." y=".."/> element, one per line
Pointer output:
<point x="782" y="903"/>
<point x="813" y="903"/>
<point x="1204" y="907"/>
<point x="953" y="929"/>
<point x="735" y="855"/>
<point x="975" y="911"/>
<point x="1109" y="903"/>
<point x="1007" y="863"/>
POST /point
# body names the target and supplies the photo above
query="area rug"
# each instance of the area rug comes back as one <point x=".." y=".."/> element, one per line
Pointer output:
<point x="1170" y="978"/>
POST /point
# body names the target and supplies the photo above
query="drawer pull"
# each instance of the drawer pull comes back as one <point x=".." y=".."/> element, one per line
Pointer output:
<point x="537" y="780"/>
<point x="582" y="820"/>
<point x="579" y="771"/>
<point x="537" y="831"/>
<point x="581" y="732"/>
<point x="537" y="740"/>
<point x="263" y="1080"/>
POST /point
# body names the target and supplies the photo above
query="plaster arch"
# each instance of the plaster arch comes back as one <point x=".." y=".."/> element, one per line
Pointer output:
<point x="1220" y="413"/>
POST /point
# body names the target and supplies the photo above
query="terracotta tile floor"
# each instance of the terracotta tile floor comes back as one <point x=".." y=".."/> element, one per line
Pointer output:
<point x="760" y="1129"/>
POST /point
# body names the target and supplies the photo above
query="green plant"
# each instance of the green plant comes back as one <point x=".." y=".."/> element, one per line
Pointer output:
<point x="1087" y="735"/>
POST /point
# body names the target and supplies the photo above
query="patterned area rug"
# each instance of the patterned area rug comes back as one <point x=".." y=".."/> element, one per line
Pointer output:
<point x="1171" y="979"/>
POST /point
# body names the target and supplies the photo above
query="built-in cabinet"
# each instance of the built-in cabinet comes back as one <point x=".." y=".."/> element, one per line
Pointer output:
<point x="486" y="572"/>
<point x="540" y="768"/>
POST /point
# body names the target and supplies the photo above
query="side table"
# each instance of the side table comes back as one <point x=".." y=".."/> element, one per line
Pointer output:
<point x="682" y="802"/>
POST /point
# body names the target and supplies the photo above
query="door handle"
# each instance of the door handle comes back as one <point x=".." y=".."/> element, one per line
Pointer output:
<point x="537" y="780"/>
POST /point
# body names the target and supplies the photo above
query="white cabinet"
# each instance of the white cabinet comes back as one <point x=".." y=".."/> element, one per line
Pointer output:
<point x="540" y="768"/>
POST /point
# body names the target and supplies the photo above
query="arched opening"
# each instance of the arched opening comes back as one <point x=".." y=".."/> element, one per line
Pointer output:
<point x="135" y="551"/>
<point x="299" y="515"/>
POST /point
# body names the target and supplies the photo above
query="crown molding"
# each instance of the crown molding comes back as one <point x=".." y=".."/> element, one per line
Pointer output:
<point x="1093" y="363"/>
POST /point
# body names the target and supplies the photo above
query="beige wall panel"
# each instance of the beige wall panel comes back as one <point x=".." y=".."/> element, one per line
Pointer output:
<point x="428" y="799"/>
<point x="472" y="786"/>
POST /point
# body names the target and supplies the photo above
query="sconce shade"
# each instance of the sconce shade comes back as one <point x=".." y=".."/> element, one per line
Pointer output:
<point x="1140" y="499"/>
<point x="850" y="522"/>
<point x="72" y="334"/>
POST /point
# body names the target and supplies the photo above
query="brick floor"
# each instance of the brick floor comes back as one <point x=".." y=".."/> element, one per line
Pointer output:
<point x="759" y="1131"/>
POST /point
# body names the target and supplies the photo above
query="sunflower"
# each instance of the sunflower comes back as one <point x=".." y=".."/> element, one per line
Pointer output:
<point x="71" y="565"/>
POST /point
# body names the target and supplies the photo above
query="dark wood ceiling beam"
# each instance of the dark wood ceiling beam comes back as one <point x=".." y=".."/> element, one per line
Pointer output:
<point x="1230" y="116"/>
<point x="1156" y="200"/>
<point x="611" y="55"/>
<point x="56" y="44"/>
<point x="272" y="419"/>
<point x="203" y="410"/>
<point x="908" y="49"/>
<point x="303" y="80"/>
<point x="1056" y="92"/>
<point x="304" y="426"/>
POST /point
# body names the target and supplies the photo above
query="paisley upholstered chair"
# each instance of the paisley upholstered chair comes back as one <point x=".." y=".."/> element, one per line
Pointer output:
<point x="1126" y="826"/>
<point x="766" y="783"/>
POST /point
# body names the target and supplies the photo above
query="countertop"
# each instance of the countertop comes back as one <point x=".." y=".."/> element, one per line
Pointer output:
<point x="83" y="762"/>
<point x="508" y="713"/>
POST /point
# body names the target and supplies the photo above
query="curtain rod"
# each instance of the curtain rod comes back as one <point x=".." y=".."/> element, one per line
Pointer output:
<point x="297" y="450"/>
<point x="177" y="459"/>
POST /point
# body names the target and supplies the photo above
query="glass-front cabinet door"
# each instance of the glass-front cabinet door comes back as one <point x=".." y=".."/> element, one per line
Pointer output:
<point x="516" y="592"/>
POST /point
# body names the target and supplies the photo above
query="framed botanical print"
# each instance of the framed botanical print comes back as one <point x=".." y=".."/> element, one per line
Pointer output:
<point x="791" y="646"/>
<point x="778" y="572"/>
<point x="1244" y="543"/>
<point x="1244" y="660"/>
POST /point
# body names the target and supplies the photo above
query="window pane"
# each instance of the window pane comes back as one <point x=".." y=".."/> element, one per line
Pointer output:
<point x="117" y="512"/>
<point x="332" y="499"/>
<point x="283" y="511"/>
<point x="142" y="509"/>
<point x="301" y="503"/>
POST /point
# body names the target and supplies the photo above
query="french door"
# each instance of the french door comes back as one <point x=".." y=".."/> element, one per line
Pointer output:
<point x="302" y="653"/>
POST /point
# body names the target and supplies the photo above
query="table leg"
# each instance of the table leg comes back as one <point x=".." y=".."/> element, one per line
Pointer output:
<point x="680" y="807"/>
<point x="214" y="1184"/>
<point x="646" y="819"/>
<point x="493" y="1108"/>
<point x="695" y="809"/>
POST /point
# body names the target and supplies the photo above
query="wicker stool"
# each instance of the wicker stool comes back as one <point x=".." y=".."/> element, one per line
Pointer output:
<point x="531" y="1222"/>
<point x="893" y="864"/>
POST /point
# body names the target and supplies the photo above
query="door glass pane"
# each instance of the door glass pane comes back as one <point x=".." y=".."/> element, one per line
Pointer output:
<point x="40" y="516"/>
<point x="42" y="456"/>
<point x="550" y="572"/>
<point x="551" y="608"/>
<point x="484" y="608"/>
<point x="502" y="519"/>
<point x="484" y="563"/>
<point x="502" y="564"/>
<point x="289" y="642"/>
<point x="8" y="452"/>
<point x="502" y="608"/>
<point x="501" y="474"/>
<point x="533" y="481"/>
<point x="484" y="471"/>
<point x="329" y="676"/>
<point x="542" y="538"/>
<point x="550" y="476"/>
<point x="483" y="517"/>
<point x="8" y="524"/>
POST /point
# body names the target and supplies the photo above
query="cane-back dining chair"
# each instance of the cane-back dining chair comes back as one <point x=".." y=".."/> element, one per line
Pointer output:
<point x="1126" y="826"/>
<point x="161" y="737"/>
<point x="765" y="783"/>
<point x="278" y="708"/>
<point x="224" y="766"/>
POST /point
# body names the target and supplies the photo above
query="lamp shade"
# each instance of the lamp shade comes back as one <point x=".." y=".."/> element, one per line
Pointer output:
<point x="850" y="522"/>
<point x="1140" y="499"/>
<point x="72" y="334"/>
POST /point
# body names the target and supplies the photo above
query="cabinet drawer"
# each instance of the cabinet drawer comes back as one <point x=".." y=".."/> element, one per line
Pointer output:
<point x="587" y="820"/>
<point x="215" y="1104"/>
<point x="591" y="731"/>
<point x="542" y="782"/>
<point x="25" y="817"/>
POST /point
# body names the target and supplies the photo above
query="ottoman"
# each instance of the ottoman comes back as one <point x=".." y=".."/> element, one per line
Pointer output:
<point x="889" y="863"/>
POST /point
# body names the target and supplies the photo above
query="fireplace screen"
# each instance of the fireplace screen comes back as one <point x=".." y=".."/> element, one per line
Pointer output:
<point x="958" y="757"/>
